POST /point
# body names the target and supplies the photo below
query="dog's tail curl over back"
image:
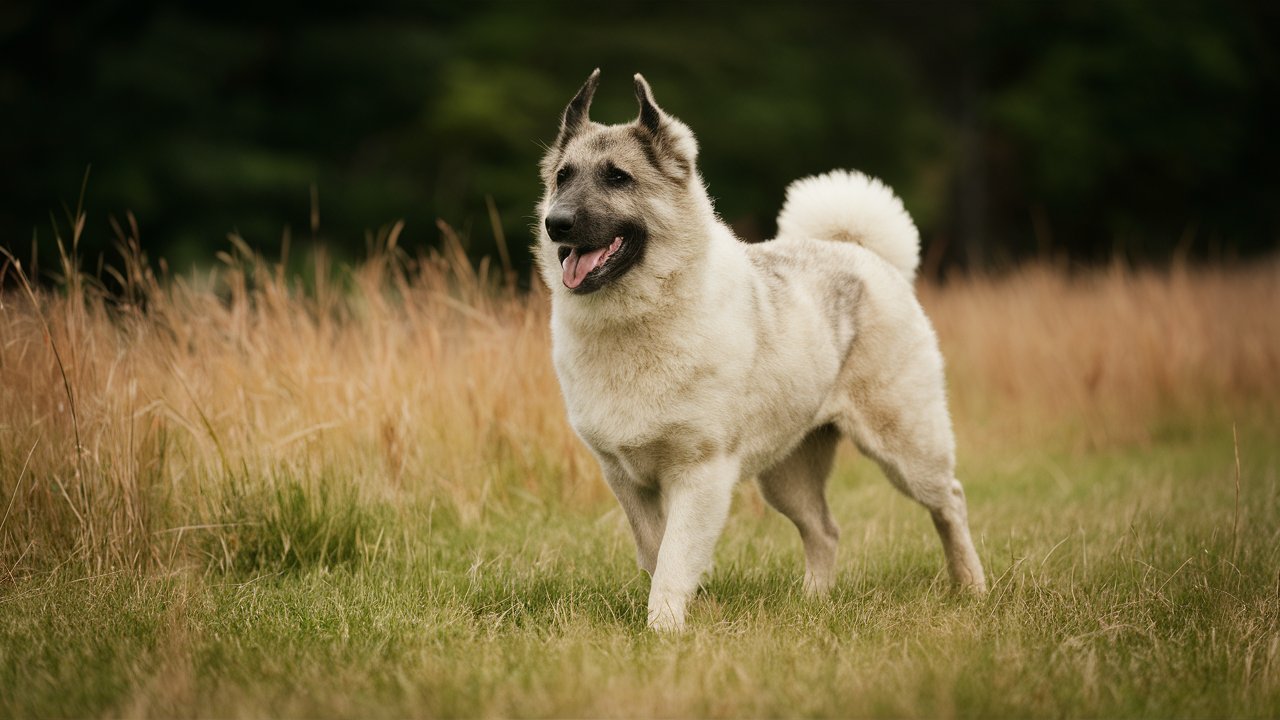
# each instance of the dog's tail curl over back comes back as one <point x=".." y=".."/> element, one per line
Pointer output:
<point x="850" y="206"/>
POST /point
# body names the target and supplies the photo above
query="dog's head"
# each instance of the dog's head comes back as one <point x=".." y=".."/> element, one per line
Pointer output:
<point x="613" y="192"/>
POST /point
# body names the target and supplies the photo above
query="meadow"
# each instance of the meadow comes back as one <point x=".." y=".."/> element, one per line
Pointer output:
<point x="246" y="492"/>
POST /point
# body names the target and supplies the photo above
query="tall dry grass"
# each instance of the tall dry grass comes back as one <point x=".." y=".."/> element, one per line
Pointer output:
<point x="163" y="420"/>
<point x="138" y="419"/>
<point x="1108" y="355"/>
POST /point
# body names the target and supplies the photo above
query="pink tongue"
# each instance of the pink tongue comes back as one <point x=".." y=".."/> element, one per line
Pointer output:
<point x="577" y="265"/>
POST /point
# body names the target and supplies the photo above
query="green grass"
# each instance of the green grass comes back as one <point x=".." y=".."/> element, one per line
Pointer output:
<point x="1120" y="587"/>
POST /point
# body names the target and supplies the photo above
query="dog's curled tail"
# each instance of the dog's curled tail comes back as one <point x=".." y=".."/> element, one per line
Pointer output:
<point x="850" y="206"/>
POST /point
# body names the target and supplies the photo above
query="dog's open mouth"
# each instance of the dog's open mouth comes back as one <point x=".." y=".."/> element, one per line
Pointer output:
<point x="579" y="262"/>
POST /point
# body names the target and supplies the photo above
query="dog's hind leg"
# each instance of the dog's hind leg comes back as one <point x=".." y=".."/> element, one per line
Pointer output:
<point x="931" y="482"/>
<point x="904" y="426"/>
<point x="796" y="487"/>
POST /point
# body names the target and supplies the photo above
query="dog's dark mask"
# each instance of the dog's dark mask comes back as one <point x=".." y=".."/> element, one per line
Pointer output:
<point x="594" y="247"/>
<point x="597" y="240"/>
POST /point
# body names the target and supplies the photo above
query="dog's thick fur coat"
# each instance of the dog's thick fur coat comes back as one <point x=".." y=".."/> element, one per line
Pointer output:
<point x="690" y="360"/>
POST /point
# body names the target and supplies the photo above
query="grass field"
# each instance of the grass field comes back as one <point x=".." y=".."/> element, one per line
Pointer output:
<point x="243" y="494"/>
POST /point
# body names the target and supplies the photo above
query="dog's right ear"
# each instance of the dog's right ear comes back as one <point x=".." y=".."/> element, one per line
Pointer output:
<point x="575" y="115"/>
<point x="650" y="114"/>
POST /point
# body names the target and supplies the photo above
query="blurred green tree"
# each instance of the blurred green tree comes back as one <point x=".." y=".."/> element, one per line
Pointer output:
<point x="1009" y="127"/>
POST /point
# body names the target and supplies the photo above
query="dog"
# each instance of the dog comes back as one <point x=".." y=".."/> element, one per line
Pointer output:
<point x="690" y="360"/>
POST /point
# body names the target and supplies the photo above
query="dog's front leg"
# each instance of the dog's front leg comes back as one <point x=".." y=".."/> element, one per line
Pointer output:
<point x="643" y="507"/>
<point x="697" y="501"/>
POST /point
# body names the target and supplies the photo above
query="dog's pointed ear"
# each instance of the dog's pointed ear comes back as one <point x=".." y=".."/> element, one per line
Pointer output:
<point x="650" y="114"/>
<point x="665" y="132"/>
<point x="576" y="114"/>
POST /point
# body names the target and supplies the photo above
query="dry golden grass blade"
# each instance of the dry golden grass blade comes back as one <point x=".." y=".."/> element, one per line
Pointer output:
<point x="419" y="379"/>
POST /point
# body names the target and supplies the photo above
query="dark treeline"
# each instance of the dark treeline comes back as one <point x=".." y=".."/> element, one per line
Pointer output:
<point x="1011" y="128"/>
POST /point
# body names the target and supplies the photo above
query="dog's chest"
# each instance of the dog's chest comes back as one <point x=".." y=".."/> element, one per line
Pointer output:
<point x="644" y="405"/>
<point x="672" y="448"/>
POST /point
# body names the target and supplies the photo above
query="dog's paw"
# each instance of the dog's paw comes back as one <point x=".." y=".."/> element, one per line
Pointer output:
<point x="666" y="616"/>
<point x="970" y="581"/>
<point x="818" y="586"/>
<point x="665" y="622"/>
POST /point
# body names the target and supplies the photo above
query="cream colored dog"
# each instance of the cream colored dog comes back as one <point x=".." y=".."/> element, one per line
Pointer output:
<point x="690" y="360"/>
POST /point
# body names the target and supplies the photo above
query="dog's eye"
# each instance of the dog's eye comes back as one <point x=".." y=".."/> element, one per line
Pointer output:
<point x="563" y="175"/>
<point x="615" y="176"/>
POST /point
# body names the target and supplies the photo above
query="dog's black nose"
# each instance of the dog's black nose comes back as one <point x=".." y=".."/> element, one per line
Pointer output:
<point x="559" y="223"/>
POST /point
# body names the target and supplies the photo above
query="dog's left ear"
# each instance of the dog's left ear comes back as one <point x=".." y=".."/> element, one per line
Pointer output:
<point x="650" y="114"/>
<point x="665" y="130"/>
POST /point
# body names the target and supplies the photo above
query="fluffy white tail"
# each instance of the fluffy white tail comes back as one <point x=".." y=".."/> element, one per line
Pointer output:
<point x="847" y="205"/>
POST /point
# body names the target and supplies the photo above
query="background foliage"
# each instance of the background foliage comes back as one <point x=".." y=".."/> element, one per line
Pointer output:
<point x="235" y="492"/>
<point x="1011" y="128"/>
